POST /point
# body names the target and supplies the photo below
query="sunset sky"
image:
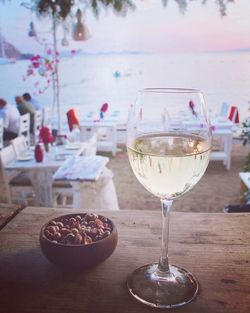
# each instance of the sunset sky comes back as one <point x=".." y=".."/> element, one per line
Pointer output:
<point x="149" y="28"/>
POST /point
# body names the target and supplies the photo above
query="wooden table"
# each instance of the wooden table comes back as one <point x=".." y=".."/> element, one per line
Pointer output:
<point x="7" y="212"/>
<point x="214" y="247"/>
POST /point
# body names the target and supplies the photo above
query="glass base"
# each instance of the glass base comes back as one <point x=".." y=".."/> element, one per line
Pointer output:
<point x="162" y="291"/>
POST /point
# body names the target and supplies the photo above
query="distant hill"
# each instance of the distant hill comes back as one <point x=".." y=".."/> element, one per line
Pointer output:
<point x="10" y="51"/>
<point x="241" y="50"/>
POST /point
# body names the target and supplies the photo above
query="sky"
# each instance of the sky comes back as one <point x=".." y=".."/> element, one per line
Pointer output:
<point x="149" y="28"/>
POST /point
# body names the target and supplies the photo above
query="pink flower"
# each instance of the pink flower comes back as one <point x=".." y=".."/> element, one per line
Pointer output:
<point x="30" y="71"/>
<point x="35" y="64"/>
<point x="45" y="135"/>
<point x="35" y="58"/>
<point x="212" y="127"/>
<point x="49" y="51"/>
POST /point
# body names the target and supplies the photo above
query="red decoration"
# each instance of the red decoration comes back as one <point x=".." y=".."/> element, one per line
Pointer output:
<point x="191" y="106"/>
<point x="234" y="114"/>
<point x="45" y="135"/>
<point x="104" y="107"/>
<point x="72" y="119"/>
<point x="38" y="153"/>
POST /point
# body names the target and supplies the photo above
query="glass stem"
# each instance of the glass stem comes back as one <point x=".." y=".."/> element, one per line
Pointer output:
<point x="163" y="266"/>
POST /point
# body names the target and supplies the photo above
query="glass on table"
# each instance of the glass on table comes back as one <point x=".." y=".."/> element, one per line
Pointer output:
<point x="168" y="158"/>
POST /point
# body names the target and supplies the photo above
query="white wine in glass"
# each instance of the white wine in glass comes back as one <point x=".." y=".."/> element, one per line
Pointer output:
<point x="169" y="145"/>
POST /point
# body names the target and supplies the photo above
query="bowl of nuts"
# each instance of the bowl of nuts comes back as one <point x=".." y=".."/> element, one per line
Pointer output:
<point x="78" y="240"/>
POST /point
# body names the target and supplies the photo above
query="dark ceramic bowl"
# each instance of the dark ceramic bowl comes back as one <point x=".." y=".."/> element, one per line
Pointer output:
<point x="75" y="256"/>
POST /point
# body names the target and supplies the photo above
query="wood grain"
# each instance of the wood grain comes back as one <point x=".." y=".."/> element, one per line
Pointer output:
<point x="7" y="212"/>
<point x="214" y="247"/>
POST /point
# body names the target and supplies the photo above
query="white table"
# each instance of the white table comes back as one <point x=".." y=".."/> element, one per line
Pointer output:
<point x="92" y="182"/>
<point x="41" y="174"/>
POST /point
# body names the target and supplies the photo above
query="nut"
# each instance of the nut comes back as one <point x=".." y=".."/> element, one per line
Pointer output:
<point x="81" y="229"/>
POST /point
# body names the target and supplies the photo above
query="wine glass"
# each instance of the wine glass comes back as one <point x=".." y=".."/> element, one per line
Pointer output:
<point x="169" y="143"/>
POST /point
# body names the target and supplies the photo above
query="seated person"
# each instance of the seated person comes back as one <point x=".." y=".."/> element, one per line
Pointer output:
<point x="27" y="97"/>
<point x="25" y="107"/>
<point x="10" y="116"/>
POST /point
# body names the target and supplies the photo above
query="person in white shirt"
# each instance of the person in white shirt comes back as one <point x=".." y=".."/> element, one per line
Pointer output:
<point x="10" y="116"/>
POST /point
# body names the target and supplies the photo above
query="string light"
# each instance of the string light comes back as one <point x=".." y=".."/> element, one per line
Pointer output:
<point x="80" y="32"/>
<point x="32" y="31"/>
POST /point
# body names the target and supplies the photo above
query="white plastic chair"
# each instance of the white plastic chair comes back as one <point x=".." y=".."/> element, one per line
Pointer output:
<point x="1" y="133"/>
<point x="24" y="127"/>
<point x="38" y="120"/>
<point x="91" y="146"/>
<point x="106" y="136"/>
<point x="15" y="183"/>
<point x="224" y="109"/>
<point x="19" y="145"/>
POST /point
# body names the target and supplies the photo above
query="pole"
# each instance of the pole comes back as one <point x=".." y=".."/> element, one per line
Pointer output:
<point x="56" y="88"/>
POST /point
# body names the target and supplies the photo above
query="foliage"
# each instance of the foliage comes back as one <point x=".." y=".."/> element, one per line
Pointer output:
<point x="246" y="139"/>
<point x="246" y="167"/>
<point x="62" y="8"/>
<point x="183" y="4"/>
<point x="245" y="134"/>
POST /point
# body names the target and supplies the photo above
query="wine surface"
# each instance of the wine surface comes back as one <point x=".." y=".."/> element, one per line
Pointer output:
<point x="169" y="165"/>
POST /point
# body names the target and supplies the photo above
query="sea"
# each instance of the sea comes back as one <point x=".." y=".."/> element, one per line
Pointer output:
<point x="89" y="80"/>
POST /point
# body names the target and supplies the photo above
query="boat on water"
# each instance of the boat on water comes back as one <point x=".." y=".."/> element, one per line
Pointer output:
<point x="7" y="60"/>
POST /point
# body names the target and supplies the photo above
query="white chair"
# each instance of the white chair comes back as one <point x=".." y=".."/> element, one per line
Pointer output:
<point x="91" y="146"/>
<point x="19" y="145"/>
<point x="17" y="186"/>
<point x="1" y="133"/>
<point x="224" y="110"/>
<point x="106" y="136"/>
<point x="24" y="127"/>
<point x="223" y="153"/>
<point x="47" y="117"/>
<point x="38" y="120"/>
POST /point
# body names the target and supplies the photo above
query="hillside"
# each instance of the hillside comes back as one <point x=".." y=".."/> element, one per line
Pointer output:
<point x="8" y="50"/>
